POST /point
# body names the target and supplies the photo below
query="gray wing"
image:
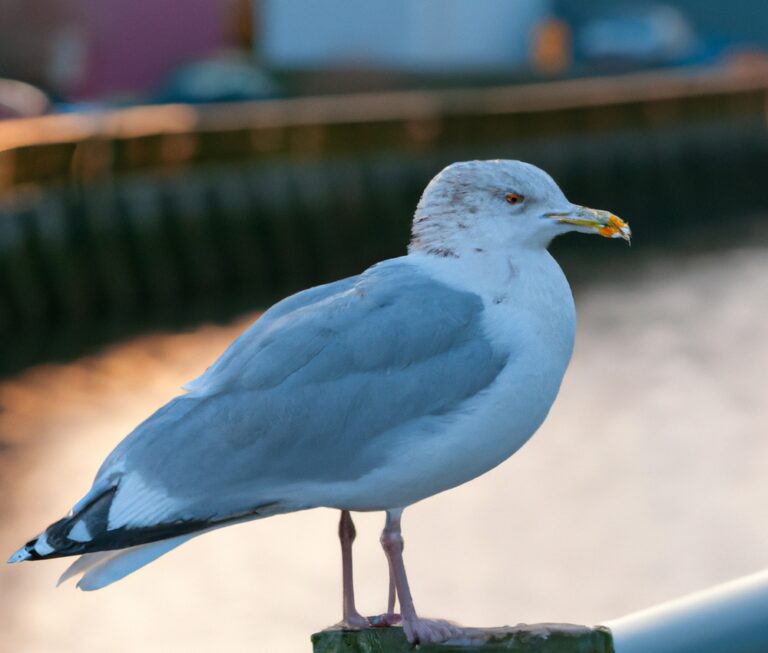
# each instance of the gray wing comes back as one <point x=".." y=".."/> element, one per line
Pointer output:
<point x="310" y="392"/>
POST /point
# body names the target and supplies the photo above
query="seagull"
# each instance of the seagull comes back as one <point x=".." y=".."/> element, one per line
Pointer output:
<point x="365" y="394"/>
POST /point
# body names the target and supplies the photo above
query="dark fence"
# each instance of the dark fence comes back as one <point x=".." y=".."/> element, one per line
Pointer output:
<point x="169" y="215"/>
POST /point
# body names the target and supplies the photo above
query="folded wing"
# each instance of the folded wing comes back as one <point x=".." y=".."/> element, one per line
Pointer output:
<point x="310" y="393"/>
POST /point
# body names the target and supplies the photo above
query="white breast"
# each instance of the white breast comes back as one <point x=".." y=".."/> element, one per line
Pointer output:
<point x="525" y="293"/>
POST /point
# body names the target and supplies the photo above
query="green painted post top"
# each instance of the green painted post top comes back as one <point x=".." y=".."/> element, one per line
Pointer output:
<point x="535" y="638"/>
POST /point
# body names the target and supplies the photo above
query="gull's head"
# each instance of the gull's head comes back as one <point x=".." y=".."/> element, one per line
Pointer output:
<point x="490" y="205"/>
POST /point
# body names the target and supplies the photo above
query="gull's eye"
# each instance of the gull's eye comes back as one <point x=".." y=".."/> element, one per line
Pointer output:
<point x="514" y="198"/>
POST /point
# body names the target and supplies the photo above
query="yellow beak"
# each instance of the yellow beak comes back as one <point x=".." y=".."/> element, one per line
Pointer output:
<point x="604" y="223"/>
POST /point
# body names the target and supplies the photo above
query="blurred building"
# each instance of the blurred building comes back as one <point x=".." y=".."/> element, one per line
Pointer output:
<point x="427" y="36"/>
<point x="92" y="49"/>
<point x="664" y="32"/>
<point x="742" y="21"/>
<point x="222" y="50"/>
<point x="31" y="33"/>
<point x="128" y="47"/>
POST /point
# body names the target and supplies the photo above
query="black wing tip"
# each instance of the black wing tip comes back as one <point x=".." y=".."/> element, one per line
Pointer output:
<point x="55" y="542"/>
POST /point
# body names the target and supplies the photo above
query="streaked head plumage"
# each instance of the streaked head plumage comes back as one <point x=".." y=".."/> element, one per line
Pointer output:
<point x="476" y="205"/>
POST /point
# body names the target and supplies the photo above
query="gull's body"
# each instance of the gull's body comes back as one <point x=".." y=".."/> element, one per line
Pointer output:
<point x="370" y="393"/>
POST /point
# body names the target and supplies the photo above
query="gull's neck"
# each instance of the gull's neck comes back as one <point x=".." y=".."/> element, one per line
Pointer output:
<point x="523" y="290"/>
<point x="453" y="247"/>
<point x="493" y="272"/>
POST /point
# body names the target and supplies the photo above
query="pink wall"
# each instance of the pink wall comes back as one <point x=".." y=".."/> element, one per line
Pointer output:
<point x="130" y="46"/>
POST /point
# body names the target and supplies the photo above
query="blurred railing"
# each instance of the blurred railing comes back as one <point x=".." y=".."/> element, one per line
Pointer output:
<point x="166" y="215"/>
<point x="728" y="618"/>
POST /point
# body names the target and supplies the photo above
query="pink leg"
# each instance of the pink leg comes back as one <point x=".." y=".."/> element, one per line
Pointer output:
<point x="423" y="631"/>
<point x="392" y="594"/>
<point x="352" y="618"/>
<point x="391" y="618"/>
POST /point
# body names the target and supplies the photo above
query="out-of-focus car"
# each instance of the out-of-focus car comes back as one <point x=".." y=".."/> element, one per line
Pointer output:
<point x="21" y="100"/>
<point x="229" y="77"/>
<point x="638" y="36"/>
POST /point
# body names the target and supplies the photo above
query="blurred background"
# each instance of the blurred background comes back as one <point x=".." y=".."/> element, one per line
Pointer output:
<point x="170" y="168"/>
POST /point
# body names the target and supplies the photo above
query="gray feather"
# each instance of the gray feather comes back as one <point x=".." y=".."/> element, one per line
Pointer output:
<point x="313" y="391"/>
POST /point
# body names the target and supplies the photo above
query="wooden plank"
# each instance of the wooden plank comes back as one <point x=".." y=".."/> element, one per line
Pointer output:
<point x="535" y="638"/>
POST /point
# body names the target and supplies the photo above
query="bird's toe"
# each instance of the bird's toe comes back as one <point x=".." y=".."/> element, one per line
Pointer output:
<point x="355" y="622"/>
<point x="385" y="620"/>
<point x="430" y="631"/>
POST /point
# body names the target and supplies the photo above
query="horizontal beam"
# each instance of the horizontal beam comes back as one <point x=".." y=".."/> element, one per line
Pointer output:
<point x="389" y="106"/>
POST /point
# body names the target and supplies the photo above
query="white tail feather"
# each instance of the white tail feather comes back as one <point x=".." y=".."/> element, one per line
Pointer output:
<point x="84" y="563"/>
<point x="103" y="568"/>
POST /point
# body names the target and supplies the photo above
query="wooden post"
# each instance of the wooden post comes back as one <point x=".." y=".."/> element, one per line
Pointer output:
<point x="536" y="638"/>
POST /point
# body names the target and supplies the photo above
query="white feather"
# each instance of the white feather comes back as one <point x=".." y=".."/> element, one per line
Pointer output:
<point x="84" y="563"/>
<point x="80" y="533"/>
<point x="42" y="547"/>
<point x="137" y="504"/>
<point x="102" y="569"/>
